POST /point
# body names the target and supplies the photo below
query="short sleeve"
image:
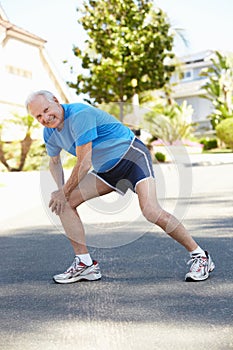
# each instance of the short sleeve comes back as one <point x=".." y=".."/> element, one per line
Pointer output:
<point x="51" y="147"/>
<point x="84" y="126"/>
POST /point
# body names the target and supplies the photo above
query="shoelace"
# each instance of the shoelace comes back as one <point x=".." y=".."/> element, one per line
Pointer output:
<point x="197" y="261"/>
<point x="73" y="266"/>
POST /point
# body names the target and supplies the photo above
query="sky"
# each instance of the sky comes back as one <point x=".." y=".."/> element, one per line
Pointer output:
<point x="206" y="24"/>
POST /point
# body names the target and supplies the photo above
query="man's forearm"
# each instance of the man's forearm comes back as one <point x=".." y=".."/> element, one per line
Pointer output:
<point x="57" y="173"/>
<point x="76" y="176"/>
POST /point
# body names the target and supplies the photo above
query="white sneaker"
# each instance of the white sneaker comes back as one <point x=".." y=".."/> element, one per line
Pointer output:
<point x="200" y="268"/>
<point x="78" y="271"/>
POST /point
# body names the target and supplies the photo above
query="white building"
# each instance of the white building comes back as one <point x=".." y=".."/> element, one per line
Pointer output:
<point x="189" y="85"/>
<point x="24" y="67"/>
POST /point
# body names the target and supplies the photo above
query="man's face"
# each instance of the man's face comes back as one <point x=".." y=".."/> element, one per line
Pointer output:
<point x="48" y="113"/>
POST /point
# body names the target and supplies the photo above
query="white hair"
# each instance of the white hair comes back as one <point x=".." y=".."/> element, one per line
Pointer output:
<point x="47" y="94"/>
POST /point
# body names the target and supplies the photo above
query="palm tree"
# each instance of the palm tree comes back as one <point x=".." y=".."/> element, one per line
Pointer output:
<point x="219" y="87"/>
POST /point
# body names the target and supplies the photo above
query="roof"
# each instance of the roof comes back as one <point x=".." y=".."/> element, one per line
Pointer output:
<point x="15" y="31"/>
<point x="196" y="57"/>
<point x="3" y="14"/>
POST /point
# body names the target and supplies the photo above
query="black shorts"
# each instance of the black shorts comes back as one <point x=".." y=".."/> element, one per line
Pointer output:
<point x="133" y="167"/>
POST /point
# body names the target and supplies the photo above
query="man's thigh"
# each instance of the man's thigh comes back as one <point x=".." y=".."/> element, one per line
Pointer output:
<point x="146" y="191"/>
<point x="89" y="187"/>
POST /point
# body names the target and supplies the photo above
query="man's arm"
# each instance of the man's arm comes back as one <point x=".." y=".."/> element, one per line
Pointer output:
<point x="81" y="168"/>
<point x="60" y="197"/>
<point x="56" y="170"/>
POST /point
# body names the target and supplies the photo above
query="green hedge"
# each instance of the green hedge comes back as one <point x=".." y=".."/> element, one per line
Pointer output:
<point x="160" y="157"/>
<point x="209" y="144"/>
<point x="224" y="131"/>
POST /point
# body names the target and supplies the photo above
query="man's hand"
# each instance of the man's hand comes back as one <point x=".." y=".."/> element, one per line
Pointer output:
<point x="61" y="197"/>
<point x="57" y="202"/>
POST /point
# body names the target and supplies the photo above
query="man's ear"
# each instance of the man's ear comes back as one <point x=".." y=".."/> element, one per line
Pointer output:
<point x="55" y="99"/>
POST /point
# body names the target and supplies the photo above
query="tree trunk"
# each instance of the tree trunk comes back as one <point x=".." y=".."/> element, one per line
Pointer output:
<point x="3" y="159"/>
<point x="25" y="147"/>
<point x="121" y="104"/>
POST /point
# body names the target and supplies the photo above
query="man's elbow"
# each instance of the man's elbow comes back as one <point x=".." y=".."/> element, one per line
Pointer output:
<point x="54" y="161"/>
<point x="86" y="165"/>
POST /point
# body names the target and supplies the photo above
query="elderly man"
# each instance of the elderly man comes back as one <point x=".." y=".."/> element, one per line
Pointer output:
<point x="120" y="161"/>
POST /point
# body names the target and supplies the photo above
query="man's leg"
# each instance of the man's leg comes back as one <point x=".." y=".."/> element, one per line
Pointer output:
<point x="201" y="262"/>
<point x="146" y="191"/>
<point x="89" y="187"/>
<point x="83" y="266"/>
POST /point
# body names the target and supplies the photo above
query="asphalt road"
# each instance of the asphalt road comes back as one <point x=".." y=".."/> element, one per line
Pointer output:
<point x="142" y="301"/>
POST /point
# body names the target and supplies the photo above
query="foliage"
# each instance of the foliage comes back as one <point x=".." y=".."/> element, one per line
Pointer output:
<point x="160" y="157"/>
<point x="128" y="49"/>
<point x="219" y="87"/>
<point x="69" y="161"/>
<point x="224" y="132"/>
<point x="114" y="108"/>
<point x="13" y="155"/>
<point x="35" y="157"/>
<point x="168" y="122"/>
<point x="12" y="151"/>
<point x="209" y="144"/>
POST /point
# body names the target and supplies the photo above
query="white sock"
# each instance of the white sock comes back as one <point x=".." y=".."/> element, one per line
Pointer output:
<point x="85" y="258"/>
<point x="197" y="251"/>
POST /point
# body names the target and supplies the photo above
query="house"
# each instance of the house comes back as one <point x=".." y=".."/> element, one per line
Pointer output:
<point x="188" y="86"/>
<point x="24" y="67"/>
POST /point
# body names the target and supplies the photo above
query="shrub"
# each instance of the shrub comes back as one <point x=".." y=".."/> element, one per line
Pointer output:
<point x="168" y="122"/>
<point x="160" y="157"/>
<point x="224" y="132"/>
<point x="209" y="144"/>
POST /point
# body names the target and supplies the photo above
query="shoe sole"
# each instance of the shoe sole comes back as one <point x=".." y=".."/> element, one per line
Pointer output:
<point x="80" y="278"/>
<point x="191" y="279"/>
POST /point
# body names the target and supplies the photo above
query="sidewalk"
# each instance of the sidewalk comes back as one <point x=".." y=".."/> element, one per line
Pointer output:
<point x="25" y="195"/>
<point x="198" y="159"/>
<point x="211" y="159"/>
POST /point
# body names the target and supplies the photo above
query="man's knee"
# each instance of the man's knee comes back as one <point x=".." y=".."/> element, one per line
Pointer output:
<point x="152" y="213"/>
<point x="75" y="199"/>
<point x="67" y="209"/>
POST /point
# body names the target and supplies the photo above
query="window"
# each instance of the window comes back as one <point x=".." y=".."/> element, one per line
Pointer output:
<point x="19" y="71"/>
<point x="186" y="75"/>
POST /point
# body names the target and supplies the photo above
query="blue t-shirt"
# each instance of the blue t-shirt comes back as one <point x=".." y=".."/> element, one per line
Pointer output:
<point x="84" y="123"/>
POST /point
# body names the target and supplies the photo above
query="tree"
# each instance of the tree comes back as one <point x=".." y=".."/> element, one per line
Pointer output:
<point x="219" y="87"/>
<point x="27" y="123"/>
<point x="128" y="41"/>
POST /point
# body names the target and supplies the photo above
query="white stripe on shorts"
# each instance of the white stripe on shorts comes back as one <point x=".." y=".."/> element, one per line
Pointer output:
<point x="144" y="155"/>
